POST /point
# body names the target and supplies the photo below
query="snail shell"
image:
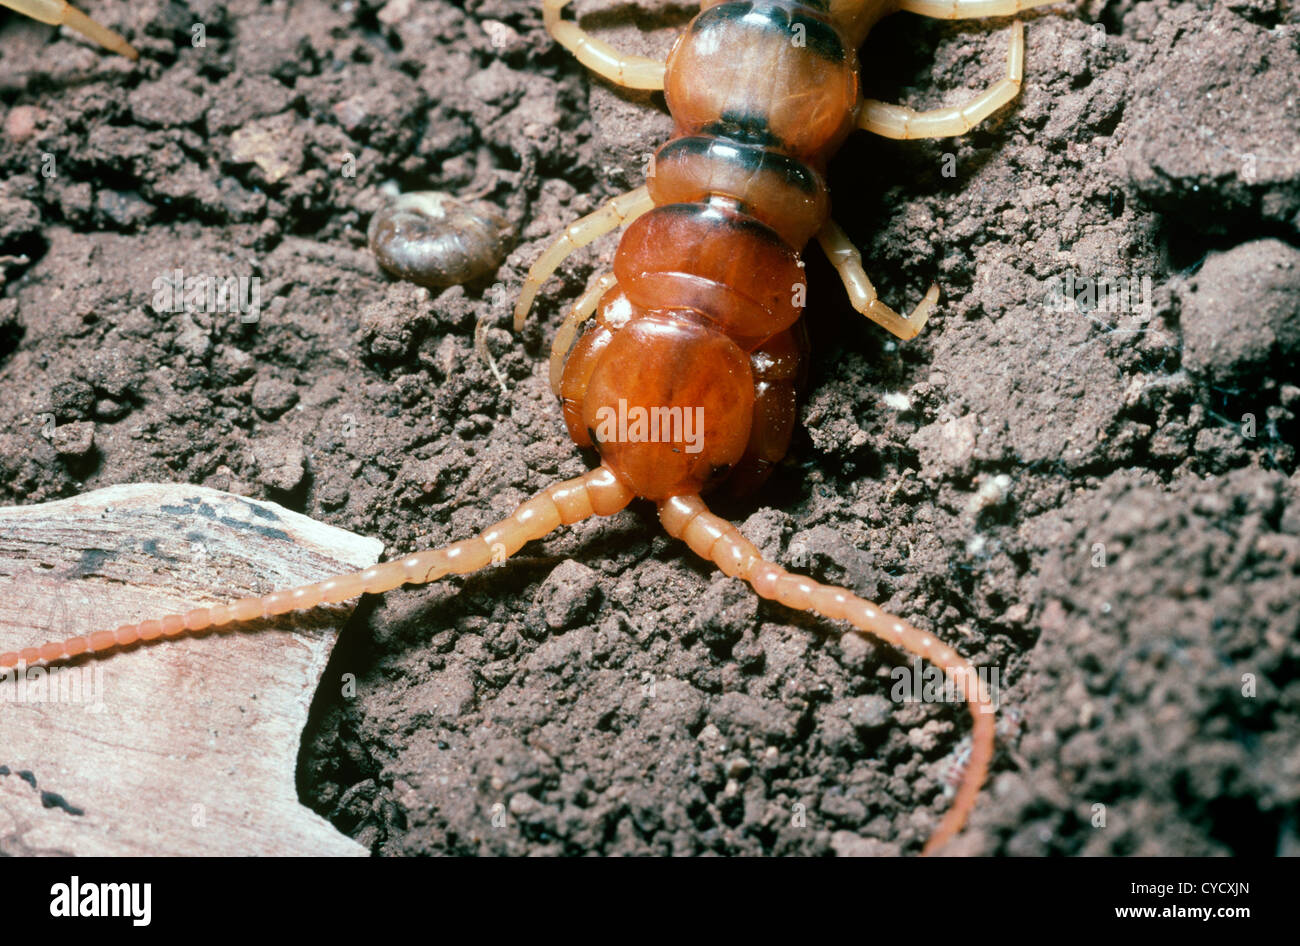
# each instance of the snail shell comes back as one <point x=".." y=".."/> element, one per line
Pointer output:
<point x="433" y="239"/>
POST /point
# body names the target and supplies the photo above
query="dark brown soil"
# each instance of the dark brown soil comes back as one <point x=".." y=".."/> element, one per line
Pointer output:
<point x="1104" y="506"/>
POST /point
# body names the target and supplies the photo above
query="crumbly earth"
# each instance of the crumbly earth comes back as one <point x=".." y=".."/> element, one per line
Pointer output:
<point x="1099" y="499"/>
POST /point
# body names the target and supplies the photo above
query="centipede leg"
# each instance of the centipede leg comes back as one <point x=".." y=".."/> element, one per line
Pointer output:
<point x="626" y="69"/>
<point x="846" y="259"/>
<point x="60" y="13"/>
<point x="621" y="210"/>
<point x="969" y="9"/>
<point x="579" y="312"/>
<point x="898" y="121"/>
<point x="715" y="539"/>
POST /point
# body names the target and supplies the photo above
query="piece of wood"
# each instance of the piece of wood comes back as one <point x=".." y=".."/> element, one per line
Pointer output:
<point x="185" y="746"/>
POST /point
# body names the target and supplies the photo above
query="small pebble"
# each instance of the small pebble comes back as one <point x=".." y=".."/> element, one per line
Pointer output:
<point x="22" y="121"/>
<point x="272" y="397"/>
<point x="280" y="466"/>
<point x="73" y="440"/>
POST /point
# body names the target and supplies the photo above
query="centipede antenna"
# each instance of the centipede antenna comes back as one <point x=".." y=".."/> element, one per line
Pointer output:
<point x="61" y="13"/>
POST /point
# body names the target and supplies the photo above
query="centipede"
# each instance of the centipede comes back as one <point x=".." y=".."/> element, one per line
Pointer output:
<point x="680" y="367"/>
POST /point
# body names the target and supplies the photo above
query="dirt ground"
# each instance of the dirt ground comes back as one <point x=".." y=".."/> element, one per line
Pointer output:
<point x="1102" y="501"/>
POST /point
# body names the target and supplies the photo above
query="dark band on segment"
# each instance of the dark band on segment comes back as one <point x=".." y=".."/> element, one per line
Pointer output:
<point x="805" y="29"/>
<point x="745" y="127"/>
<point x="753" y="158"/>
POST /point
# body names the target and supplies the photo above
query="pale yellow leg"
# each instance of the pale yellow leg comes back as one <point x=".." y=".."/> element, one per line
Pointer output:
<point x="622" y="209"/>
<point x="969" y="9"/>
<point x="582" y="308"/>
<point x="897" y="121"/>
<point x="60" y="13"/>
<point x="625" y="69"/>
<point x="846" y="259"/>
